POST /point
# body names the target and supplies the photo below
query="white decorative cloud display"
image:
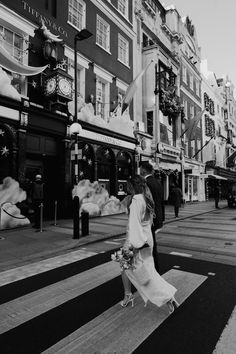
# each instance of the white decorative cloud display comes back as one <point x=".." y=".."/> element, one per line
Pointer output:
<point x="6" y="89"/>
<point x="10" y="194"/>
<point x="119" y="123"/>
<point x="95" y="199"/>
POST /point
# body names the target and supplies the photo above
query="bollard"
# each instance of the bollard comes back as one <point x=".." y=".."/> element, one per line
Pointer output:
<point x="55" y="214"/>
<point x="85" y="223"/>
<point x="41" y="217"/>
<point x="76" y="217"/>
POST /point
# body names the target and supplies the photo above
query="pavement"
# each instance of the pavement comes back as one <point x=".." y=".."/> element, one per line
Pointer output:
<point x="22" y="246"/>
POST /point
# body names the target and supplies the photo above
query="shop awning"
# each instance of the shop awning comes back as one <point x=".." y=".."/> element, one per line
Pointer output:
<point x="169" y="166"/>
<point x="217" y="177"/>
<point x="202" y="175"/>
<point x="7" y="62"/>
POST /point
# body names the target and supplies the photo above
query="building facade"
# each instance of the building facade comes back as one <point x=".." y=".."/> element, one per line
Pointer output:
<point x="36" y="125"/>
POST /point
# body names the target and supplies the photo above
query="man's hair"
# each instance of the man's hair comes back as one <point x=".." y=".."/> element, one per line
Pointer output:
<point x="146" y="166"/>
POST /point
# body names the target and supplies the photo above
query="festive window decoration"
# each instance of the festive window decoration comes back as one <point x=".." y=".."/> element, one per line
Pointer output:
<point x="4" y="149"/>
<point x="209" y="126"/>
<point x="170" y="104"/>
<point x="209" y="104"/>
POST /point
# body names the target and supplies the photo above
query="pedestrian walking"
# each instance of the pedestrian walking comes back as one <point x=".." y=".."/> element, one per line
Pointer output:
<point x="175" y="198"/>
<point x="141" y="271"/>
<point x="217" y="195"/>
<point x="37" y="196"/>
<point x="155" y="186"/>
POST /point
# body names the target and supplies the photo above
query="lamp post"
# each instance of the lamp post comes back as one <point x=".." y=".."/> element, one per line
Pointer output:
<point x="76" y="129"/>
<point x="156" y="122"/>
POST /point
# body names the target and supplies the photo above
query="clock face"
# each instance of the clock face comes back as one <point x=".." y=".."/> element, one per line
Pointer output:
<point x="65" y="86"/>
<point x="50" y="86"/>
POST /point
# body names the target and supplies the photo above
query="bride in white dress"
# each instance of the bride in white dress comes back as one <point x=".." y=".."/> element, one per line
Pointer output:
<point x="139" y="236"/>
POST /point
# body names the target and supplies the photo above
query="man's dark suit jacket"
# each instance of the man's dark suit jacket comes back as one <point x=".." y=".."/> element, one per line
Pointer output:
<point x="156" y="189"/>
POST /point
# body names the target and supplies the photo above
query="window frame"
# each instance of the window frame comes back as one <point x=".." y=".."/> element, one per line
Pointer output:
<point x="83" y="24"/>
<point x="107" y="39"/>
<point x="124" y="40"/>
<point x="184" y="74"/>
<point x="191" y="79"/>
<point x="126" y="5"/>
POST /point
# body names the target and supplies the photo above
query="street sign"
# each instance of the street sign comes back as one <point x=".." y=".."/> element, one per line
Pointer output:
<point x="72" y="154"/>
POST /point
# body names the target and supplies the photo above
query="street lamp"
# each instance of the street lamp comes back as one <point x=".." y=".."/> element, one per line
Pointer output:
<point x="76" y="129"/>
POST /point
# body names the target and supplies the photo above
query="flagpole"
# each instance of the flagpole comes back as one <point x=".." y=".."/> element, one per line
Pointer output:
<point x="199" y="150"/>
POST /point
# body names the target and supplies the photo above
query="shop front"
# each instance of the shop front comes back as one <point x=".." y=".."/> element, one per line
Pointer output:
<point x="194" y="178"/>
<point x="106" y="159"/>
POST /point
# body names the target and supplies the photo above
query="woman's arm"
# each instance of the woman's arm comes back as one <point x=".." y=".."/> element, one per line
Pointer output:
<point x="136" y="235"/>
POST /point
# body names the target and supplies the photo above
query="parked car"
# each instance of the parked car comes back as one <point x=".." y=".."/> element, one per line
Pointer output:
<point x="232" y="196"/>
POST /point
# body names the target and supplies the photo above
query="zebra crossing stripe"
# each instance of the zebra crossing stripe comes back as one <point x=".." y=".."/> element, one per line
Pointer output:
<point x="227" y="341"/>
<point x="131" y="325"/>
<point x="19" y="273"/>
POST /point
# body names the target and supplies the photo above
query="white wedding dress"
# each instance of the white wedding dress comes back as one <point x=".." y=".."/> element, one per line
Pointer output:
<point x="158" y="291"/>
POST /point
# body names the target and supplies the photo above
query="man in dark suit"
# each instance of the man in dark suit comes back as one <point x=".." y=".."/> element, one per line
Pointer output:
<point x="155" y="186"/>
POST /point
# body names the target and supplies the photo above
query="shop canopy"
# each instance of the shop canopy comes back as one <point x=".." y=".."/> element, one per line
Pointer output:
<point x="217" y="177"/>
<point x="9" y="63"/>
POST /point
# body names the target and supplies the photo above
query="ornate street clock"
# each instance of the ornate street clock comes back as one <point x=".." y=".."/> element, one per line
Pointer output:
<point x="58" y="86"/>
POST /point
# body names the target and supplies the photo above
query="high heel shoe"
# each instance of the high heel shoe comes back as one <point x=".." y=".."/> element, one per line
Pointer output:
<point x="127" y="299"/>
<point x="172" y="305"/>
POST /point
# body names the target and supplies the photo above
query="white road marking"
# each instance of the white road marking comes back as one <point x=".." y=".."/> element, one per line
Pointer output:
<point x="181" y="254"/>
<point x="210" y="273"/>
<point x="176" y="266"/>
<point x="227" y="342"/>
<point x="111" y="242"/>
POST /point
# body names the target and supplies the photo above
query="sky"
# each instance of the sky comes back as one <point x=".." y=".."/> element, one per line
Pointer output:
<point x="215" y="25"/>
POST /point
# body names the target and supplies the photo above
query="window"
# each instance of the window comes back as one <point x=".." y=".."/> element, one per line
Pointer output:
<point x="122" y="6"/>
<point x="198" y="156"/>
<point x="82" y="65"/>
<point x="186" y="108"/>
<point x="123" y="50"/>
<point x="192" y="148"/>
<point x="103" y="33"/>
<point x="150" y="122"/>
<point x="191" y="111"/>
<point x="191" y="81"/>
<point x="101" y="98"/>
<point x="76" y="13"/>
<point x="80" y="88"/>
<point x="197" y="88"/>
<point x="186" y="150"/>
<point x="12" y="42"/>
<point x="184" y="74"/>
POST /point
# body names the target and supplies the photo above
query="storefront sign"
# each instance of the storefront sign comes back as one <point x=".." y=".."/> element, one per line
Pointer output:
<point x="107" y="139"/>
<point x="40" y="17"/>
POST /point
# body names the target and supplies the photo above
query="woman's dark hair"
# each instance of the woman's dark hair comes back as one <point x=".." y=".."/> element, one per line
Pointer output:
<point x="139" y="186"/>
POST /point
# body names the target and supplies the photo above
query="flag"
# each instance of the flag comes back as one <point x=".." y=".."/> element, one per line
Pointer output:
<point x="11" y="64"/>
<point x="231" y="159"/>
<point x="132" y="88"/>
<point x="193" y="124"/>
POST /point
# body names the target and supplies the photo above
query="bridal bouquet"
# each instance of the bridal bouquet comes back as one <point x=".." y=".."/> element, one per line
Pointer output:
<point x="125" y="256"/>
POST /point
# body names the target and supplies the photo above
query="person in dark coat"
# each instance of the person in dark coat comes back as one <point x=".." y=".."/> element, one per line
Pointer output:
<point x="176" y="198"/>
<point x="217" y="195"/>
<point x="37" y="196"/>
<point x="155" y="186"/>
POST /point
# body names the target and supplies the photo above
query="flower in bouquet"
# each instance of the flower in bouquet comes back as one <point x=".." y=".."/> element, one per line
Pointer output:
<point x="125" y="256"/>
